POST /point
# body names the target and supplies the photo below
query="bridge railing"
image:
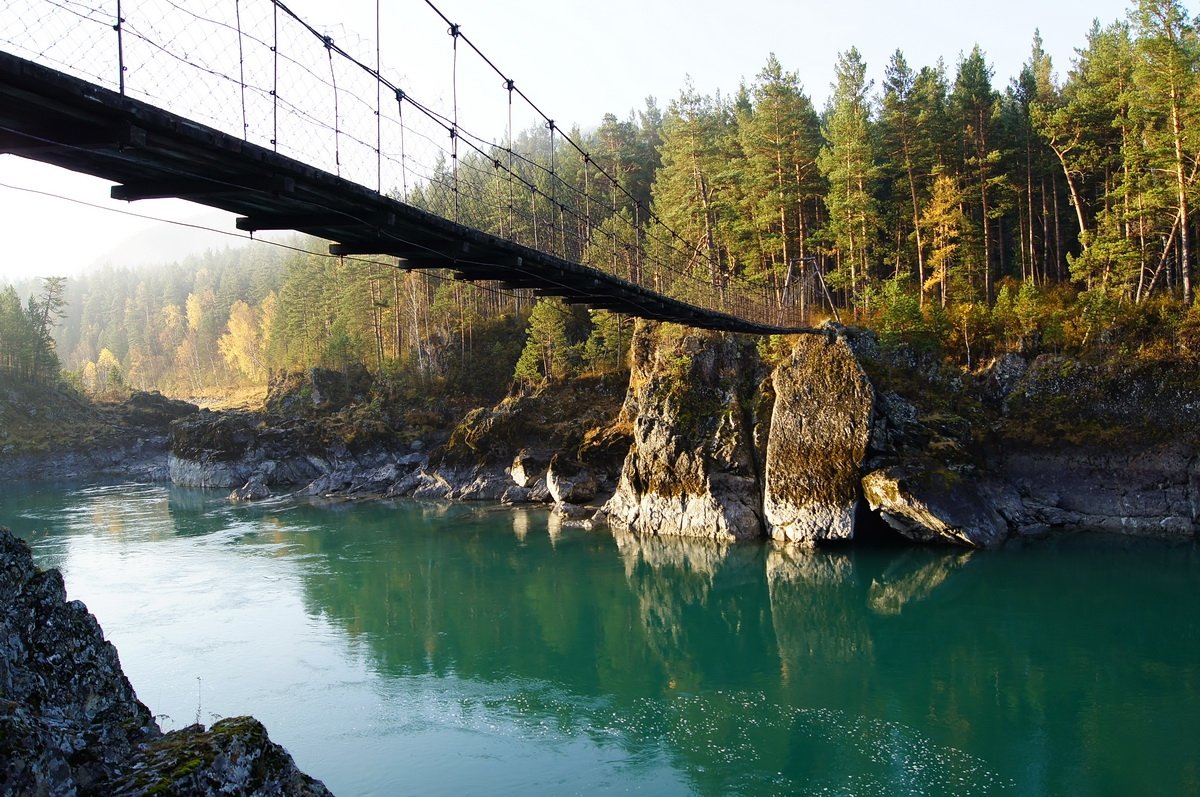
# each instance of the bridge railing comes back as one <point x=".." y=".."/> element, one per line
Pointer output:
<point x="335" y="99"/>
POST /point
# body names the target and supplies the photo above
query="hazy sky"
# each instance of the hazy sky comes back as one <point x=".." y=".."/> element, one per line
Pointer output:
<point x="579" y="60"/>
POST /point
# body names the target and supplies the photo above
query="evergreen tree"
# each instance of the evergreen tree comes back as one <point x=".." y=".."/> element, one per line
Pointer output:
<point x="1166" y="77"/>
<point x="607" y="347"/>
<point x="909" y="114"/>
<point x="779" y="138"/>
<point x="975" y="104"/>
<point x="689" y="194"/>
<point x="546" y="355"/>
<point x="848" y="162"/>
<point x="1033" y="88"/>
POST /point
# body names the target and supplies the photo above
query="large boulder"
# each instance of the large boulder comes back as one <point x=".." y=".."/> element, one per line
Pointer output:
<point x="213" y="449"/>
<point x="569" y="481"/>
<point x="691" y="467"/>
<point x="934" y="505"/>
<point x="529" y="465"/>
<point x="817" y="444"/>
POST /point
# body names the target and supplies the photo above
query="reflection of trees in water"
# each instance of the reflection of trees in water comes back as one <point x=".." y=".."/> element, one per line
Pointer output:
<point x="141" y="510"/>
<point x="459" y="596"/>
<point x="192" y="510"/>
<point x="1007" y="656"/>
<point x="701" y="606"/>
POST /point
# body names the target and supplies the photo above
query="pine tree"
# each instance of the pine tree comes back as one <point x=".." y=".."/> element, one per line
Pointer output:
<point x="848" y="162"/>
<point x="909" y="115"/>
<point x="780" y="139"/>
<point x="1166" y="76"/>
<point x="1033" y="88"/>
<point x="546" y="354"/>
<point x="975" y="103"/>
<point x="689" y="195"/>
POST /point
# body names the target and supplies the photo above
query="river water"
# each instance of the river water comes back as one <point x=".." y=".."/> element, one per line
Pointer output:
<point x="407" y="648"/>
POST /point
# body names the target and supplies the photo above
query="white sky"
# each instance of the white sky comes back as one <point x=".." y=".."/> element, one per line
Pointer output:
<point x="577" y="61"/>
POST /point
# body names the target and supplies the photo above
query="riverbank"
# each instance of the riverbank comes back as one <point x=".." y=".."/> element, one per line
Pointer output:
<point x="806" y="440"/>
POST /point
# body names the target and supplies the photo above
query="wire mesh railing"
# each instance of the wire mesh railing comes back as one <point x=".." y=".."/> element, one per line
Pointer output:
<point x="259" y="70"/>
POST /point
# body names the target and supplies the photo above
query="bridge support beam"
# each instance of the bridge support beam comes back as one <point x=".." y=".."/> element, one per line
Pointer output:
<point x="199" y="189"/>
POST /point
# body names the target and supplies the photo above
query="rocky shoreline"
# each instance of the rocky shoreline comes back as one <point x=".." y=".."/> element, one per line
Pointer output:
<point x="71" y="724"/>
<point x="806" y="440"/>
<point x="721" y="437"/>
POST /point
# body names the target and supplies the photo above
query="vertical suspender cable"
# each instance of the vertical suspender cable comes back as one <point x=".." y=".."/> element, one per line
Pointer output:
<point x="587" y="205"/>
<point x="337" y="152"/>
<point x="553" y="197"/>
<point x="508" y="84"/>
<point x="454" y="129"/>
<point x="533" y="206"/>
<point x="237" y="12"/>
<point x="275" y="77"/>
<point x="378" y="107"/>
<point x="120" y="49"/>
<point x="562" y="224"/>
<point x="403" y="155"/>
<point x="637" y="241"/>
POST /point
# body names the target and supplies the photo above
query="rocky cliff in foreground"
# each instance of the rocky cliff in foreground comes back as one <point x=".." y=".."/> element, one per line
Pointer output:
<point x="70" y="723"/>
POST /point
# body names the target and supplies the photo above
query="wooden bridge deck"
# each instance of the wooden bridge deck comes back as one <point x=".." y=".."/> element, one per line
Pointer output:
<point x="48" y="116"/>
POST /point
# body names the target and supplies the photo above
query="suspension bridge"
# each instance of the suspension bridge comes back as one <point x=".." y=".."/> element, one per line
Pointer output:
<point x="245" y="106"/>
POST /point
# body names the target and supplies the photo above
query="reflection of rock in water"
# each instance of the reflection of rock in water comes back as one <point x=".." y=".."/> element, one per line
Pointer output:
<point x="816" y="611"/>
<point x="690" y="591"/>
<point x="686" y="554"/>
<point x="663" y="596"/>
<point x="435" y="509"/>
<point x="520" y="523"/>
<point x="912" y="577"/>
<point x="811" y="566"/>
<point x="189" y="509"/>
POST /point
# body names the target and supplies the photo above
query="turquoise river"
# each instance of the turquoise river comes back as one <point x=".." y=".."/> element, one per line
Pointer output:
<point x="429" y="649"/>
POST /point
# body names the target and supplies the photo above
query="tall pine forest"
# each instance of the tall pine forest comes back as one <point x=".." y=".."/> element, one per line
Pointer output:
<point x="950" y="210"/>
